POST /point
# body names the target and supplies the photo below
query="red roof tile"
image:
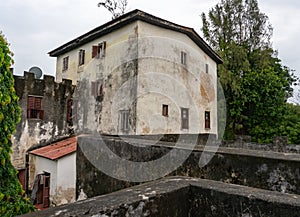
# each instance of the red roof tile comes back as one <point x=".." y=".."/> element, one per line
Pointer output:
<point x="58" y="149"/>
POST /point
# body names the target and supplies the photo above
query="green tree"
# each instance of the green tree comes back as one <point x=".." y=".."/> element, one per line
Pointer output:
<point x="255" y="83"/>
<point x="12" y="201"/>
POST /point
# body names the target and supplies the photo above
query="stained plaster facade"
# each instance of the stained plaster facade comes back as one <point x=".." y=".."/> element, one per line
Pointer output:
<point x="62" y="177"/>
<point x="142" y="70"/>
<point x="37" y="131"/>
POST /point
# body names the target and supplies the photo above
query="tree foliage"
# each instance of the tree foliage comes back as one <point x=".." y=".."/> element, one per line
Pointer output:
<point x="115" y="7"/>
<point x="12" y="201"/>
<point x="255" y="83"/>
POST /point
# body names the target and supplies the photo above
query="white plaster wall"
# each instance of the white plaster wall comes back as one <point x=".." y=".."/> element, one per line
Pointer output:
<point x="44" y="164"/>
<point x="121" y="50"/>
<point x="66" y="179"/>
<point x="116" y="54"/>
<point x="162" y="79"/>
<point x="30" y="135"/>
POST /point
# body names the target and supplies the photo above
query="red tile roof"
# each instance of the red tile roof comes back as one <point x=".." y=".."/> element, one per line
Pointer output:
<point x="58" y="149"/>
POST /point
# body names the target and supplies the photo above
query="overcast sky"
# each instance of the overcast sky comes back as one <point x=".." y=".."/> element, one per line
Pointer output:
<point x="35" y="27"/>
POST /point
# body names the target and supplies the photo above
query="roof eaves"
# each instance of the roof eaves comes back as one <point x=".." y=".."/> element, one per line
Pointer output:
<point x="131" y="17"/>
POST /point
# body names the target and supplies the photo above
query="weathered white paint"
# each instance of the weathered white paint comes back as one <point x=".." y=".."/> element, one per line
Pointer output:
<point x="40" y="166"/>
<point x="162" y="79"/>
<point x="33" y="133"/>
<point x="62" y="177"/>
<point x="141" y="71"/>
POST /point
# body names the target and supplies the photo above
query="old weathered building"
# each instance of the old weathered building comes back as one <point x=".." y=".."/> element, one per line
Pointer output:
<point x="53" y="173"/>
<point x="140" y="75"/>
<point x="135" y="75"/>
<point x="44" y="117"/>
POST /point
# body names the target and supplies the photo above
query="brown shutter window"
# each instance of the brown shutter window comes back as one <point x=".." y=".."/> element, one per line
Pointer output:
<point x="34" y="107"/>
<point x="94" y="51"/>
<point x="30" y="102"/>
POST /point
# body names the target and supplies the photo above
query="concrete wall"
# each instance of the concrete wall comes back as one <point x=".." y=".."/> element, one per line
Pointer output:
<point x="182" y="197"/>
<point x="33" y="132"/>
<point x="259" y="169"/>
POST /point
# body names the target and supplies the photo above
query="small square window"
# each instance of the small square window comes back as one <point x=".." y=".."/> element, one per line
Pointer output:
<point x="165" y="111"/>
<point x="183" y="58"/>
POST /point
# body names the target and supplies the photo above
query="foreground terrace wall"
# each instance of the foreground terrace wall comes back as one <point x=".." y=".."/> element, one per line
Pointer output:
<point x="182" y="196"/>
<point x="259" y="169"/>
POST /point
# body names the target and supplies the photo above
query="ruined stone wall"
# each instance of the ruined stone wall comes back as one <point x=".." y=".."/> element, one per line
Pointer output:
<point x="259" y="169"/>
<point x="182" y="197"/>
<point x="32" y="132"/>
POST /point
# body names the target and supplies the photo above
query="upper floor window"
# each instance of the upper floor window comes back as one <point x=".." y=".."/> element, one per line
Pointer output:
<point x="81" y="57"/>
<point x="99" y="50"/>
<point x="165" y="109"/>
<point x="65" y="63"/>
<point x="34" y="107"/>
<point x="206" y="68"/>
<point x="184" y="118"/>
<point x="97" y="88"/>
<point x="183" y="58"/>
<point x="207" y="119"/>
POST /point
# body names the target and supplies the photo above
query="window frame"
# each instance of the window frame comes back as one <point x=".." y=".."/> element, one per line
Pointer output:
<point x="165" y="110"/>
<point x="34" y="107"/>
<point x="99" y="51"/>
<point x="97" y="88"/>
<point x="183" y="57"/>
<point x="207" y="68"/>
<point x="124" y="120"/>
<point x="81" y="57"/>
<point x="185" y="120"/>
<point x="65" y="65"/>
<point x="207" y="119"/>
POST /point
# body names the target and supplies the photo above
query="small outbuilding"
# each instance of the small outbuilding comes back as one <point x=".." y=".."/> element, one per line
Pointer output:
<point x="52" y="173"/>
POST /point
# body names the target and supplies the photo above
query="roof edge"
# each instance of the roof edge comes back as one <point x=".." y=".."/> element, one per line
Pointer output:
<point x="129" y="18"/>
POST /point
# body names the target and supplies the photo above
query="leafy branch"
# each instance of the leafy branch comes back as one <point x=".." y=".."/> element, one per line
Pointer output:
<point x="115" y="7"/>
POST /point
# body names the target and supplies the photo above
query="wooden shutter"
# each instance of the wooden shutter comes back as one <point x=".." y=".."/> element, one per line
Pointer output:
<point x="94" y="51"/>
<point x="41" y="112"/>
<point x="38" y="103"/>
<point x="30" y="102"/>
